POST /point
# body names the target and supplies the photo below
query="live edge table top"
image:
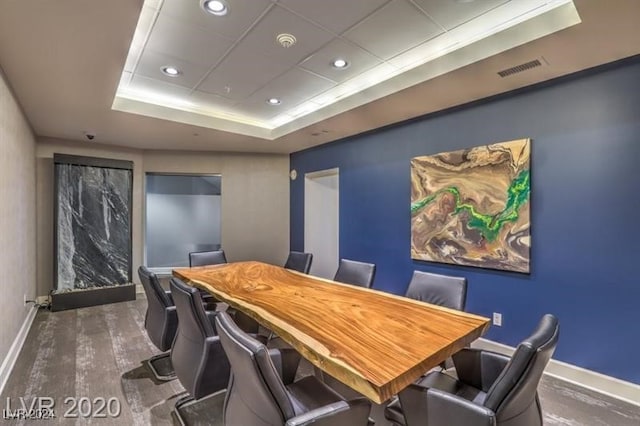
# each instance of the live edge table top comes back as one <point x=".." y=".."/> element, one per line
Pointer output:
<point x="375" y="342"/>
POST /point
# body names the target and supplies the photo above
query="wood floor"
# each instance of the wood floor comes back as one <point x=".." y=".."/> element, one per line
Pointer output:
<point x="97" y="353"/>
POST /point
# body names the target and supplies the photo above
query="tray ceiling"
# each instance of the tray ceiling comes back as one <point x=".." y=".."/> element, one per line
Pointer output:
<point x="230" y="66"/>
<point x="64" y="61"/>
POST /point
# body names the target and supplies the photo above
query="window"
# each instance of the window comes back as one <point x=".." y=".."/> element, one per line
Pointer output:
<point x="182" y="215"/>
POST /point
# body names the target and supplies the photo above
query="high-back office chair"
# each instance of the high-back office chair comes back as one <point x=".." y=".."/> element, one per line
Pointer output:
<point x="197" y="355"/>
<point x="491" y="389"/>
<point x="441" y="290"/>
<point x="298" y="261"/>
<point x="217" y="257"/>
<point x="262" y="390"/>
<point x="205" y="258"/>
<point x="160" y="322"/>
<point x="356" y="273"/>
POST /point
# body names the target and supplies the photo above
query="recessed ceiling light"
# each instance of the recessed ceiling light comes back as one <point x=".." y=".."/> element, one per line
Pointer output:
<point x="340" y="63"/>
<point x="274" y="101"/>
<point x="215" y="7"/>
<point x="171" y="71"/>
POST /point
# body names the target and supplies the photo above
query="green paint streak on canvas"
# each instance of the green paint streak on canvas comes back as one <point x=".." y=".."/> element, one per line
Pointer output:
<point x="488" y="225"/>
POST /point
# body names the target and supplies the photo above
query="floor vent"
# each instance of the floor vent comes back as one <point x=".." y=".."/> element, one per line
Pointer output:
<point x="520" y="68"/>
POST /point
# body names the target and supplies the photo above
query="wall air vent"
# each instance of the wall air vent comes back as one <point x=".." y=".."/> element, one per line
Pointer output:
<point x="520" y="68"/>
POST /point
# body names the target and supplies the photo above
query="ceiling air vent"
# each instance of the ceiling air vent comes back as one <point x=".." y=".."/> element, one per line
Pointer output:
<point x="520" y="68"/>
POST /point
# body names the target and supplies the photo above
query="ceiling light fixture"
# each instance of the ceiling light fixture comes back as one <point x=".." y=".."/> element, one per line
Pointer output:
<point x="215" y="7"/>
<point x="171" y="71"/>
<point x="340" y="63"/>
<point x="274" y="101"/>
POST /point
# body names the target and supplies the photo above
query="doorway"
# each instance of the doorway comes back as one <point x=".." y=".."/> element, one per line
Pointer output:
<point x="321" y="221"/>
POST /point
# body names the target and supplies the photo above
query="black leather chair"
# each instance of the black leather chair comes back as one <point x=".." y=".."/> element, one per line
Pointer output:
<point x="441" y="290"/>
<point x="160" y="321"/>
<point x="197" y="354"/>
<point x="217" y="257"/>
<point x="262" y="390"/>
<point x="298" y="261"/>
<point x="205" y="258"/>
<point x="355" y="273"/>
<point x="491" y="389"/>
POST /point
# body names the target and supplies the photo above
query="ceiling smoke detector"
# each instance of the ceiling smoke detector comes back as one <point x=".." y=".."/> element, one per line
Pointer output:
<point x="286" y="40"/>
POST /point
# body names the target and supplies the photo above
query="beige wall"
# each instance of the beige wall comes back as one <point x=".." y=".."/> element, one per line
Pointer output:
<point x="255" y="199"/>
<point x="17" y="216"/>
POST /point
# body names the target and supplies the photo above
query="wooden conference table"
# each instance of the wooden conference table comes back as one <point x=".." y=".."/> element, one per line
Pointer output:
<point x="374" y="342"/>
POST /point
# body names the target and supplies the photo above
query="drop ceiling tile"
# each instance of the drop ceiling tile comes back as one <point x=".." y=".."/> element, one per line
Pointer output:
<point x="242" y="14"/>
<point x="211" y="101"/>
<point x="262" y="38"/>
<point x="359" y="61"/>
<point x="151" y="86"/>
<point x="256" y="109"/>
<point x="293" y="87"/>
<point x="451" y="14"/>
<point x="396" y="27"/>
<point x="238" y="73"/>
<point x="187" y="42"/>
<point x="325" y="13"/>
<point x="151" y="62"/>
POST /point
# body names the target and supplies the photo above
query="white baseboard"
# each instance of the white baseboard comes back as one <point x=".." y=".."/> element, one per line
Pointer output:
<point x="16" y="347"/>
<point x="615" y="388"/>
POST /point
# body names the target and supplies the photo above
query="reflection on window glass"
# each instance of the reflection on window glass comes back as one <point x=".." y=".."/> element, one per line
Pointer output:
<point x="182" y="215"/>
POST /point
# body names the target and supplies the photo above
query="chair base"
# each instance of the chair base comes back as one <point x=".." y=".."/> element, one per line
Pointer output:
<point x="161" y="367"/>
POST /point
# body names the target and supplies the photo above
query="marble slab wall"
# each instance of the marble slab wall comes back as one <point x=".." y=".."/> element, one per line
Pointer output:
<point x="93" y="227"/>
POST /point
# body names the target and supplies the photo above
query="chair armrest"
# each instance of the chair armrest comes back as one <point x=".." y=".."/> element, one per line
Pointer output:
<point x="208" y="298"/>
<point x="170" y="296"/>
<point x="171" y="324"/>
<point x="479" y="368"/>
<point x="342" y="413"/>
<point x="244" y="321"/>
<point x="286" y="361"/>
<point x="445" y="409"/>
<point x="422" y="405"/>
<point x="260" y="338"/>
<point x="413" y="402"/>
<point x="215" y="375"/>
<point x="171" y="311"/>
<point x="211" y="316"/>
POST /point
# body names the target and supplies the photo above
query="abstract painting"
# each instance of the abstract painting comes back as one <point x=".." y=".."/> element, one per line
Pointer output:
<point x="472" y="207"/>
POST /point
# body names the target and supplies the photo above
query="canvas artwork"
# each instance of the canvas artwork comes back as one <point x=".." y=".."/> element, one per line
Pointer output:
<point x="472" y="207"/>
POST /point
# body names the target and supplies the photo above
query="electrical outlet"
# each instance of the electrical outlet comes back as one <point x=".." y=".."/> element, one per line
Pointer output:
<point x="497" y="319"/>
<point x="24" y="300"/>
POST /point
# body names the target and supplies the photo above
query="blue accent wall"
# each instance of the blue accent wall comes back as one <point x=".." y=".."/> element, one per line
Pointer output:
<point x="585" y="209"/>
